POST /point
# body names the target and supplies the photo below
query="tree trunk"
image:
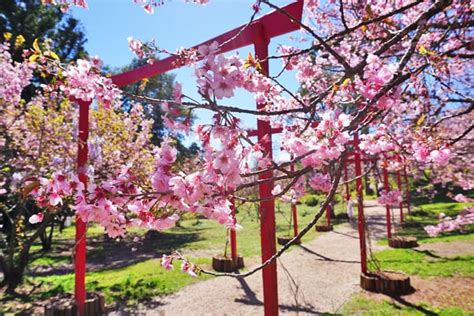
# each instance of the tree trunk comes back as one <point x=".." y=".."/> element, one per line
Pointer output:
<point x="13" y="272"/>
<point x="376" y="178"/>
<point x="368" y="189"/>
<point x="332" y="214"/>
<point x="14" y="266"/>
<point x="47" y="239"/>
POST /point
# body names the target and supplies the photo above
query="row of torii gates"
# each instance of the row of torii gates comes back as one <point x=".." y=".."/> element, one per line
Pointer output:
<point x="258" y="33"/>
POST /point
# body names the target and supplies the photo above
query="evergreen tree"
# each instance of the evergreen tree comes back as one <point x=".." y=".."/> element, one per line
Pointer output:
<point x="32" y="20"/>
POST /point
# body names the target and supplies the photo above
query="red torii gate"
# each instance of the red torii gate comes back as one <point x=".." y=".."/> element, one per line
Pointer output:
<point x="258" y="33"/>
<point x="357" y="160"/>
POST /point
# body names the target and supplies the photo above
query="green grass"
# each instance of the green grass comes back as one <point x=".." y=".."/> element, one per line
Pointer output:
<point x="426" y="213"/>
<point x="211" y="235"/>
<point x="51" y="260"/>
<point x="424" y="263"/>
<point x="364" y="306"/>
<point x="128" y="285"/>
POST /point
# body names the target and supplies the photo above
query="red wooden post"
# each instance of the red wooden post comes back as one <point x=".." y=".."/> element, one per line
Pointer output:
<point x="80" y="248"/>
<point x="267" y="205"/>
<point x="386" y="186"/>
<point x="399" y="185"/>
<point x="328" y="215"/>
<point x="360" y="205"/>
<point x="407" y="188"/>
<point x="348" y="191"/>
<point x="233" y="234"/>
<point x="294" y="212"/>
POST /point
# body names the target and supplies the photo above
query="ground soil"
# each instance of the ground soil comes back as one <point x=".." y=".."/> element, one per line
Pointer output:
<point x="438" y="291"/>
<point x="450" y="249"/>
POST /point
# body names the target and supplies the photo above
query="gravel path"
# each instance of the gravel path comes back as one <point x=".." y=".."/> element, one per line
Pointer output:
<point x="316" y="277"/>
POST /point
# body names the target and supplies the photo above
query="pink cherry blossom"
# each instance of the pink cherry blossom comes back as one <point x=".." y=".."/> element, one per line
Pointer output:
<point x="36" y="218"/>
<point x="320" y="182"/>
<point x="390" y="198"/>
<point x="167" y="262"/>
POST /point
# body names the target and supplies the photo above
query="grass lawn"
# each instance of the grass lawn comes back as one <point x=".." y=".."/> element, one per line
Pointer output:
<point x="426" y="212"/>
<point x="360" y="305"/>
<point x="137" y="282"/>
<point x="425" y="264"/>
<point x="140" y="280"/>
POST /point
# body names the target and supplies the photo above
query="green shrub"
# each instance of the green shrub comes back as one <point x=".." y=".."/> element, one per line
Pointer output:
<point x="311" y="200"/>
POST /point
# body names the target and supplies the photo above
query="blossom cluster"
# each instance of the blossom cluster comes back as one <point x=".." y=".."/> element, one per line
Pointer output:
<point x="390" y="198"/>
<point x="186" y="266"/>
<point x="448" y="224"/>
<point x="14" y="77"/>
<point x="320" y="182"/>
<point x="84" y="82"/>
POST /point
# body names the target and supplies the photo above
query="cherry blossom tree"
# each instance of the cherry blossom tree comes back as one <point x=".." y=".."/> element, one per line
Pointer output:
<point x="398" y="72"/>
<point x="38" y="141"/>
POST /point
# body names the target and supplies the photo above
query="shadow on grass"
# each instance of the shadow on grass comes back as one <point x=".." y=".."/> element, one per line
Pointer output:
<point x="438" y="259"/>
<point x="419" y="308"/>
<point x="428" y="253"/>
<point x="104" y="253"/>
<point x="29" y="295"/>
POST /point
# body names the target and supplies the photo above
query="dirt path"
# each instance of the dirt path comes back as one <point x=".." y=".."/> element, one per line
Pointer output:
<point x="319" y="276"/>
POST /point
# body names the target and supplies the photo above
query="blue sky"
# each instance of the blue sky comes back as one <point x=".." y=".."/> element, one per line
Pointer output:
<point x="176" y="24"/>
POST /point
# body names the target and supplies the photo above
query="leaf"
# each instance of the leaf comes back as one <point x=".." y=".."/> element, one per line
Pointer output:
<point x="423" y="50"/>
<point x="53" y="55"/>
<point x="33" y="58"/>
<point x="346" y="82"/>
<point x="7" y="36"/>
<point x="368" y="8"/>
<point x="249" y="61"/>
<point x="19" y="41"/>
<point x="36" y="46"/>
<point x="420" y="120"/>
<point x="143" y="84"/>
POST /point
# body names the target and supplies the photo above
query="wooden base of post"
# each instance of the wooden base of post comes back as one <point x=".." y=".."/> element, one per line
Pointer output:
<point x="226" y="264"/>
<point x="324" y="228"/>
<point x="283" y="240"/>
<point x="66" y="306"/>
<point x="386" y="282"/>
<point x="403" y="242"/>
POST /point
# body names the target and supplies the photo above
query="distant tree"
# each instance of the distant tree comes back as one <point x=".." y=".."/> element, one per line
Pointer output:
<point x="158" y="87"/>
<point x="32" y="20"/>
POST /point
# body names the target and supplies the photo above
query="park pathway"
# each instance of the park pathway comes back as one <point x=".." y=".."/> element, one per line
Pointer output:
<point x="316" y="277"/>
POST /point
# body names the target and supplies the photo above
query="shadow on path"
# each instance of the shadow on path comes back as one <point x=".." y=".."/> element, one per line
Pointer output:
<point x="324" y="258"/>
<point x="346" y="234"/>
